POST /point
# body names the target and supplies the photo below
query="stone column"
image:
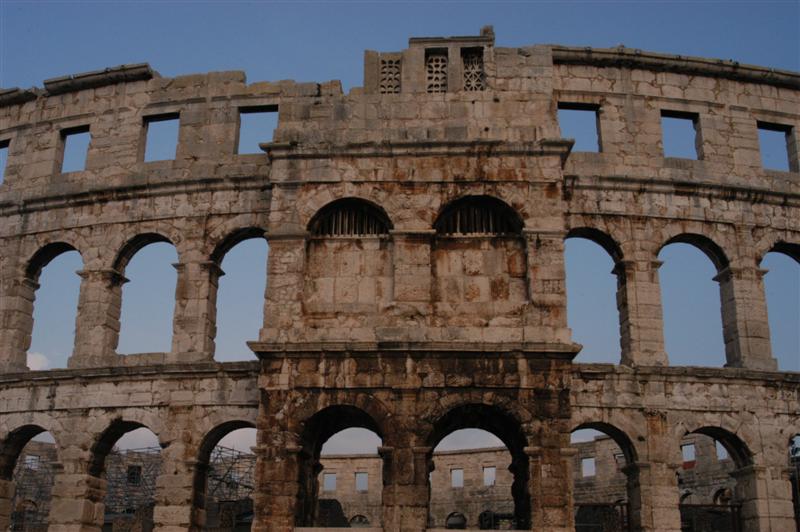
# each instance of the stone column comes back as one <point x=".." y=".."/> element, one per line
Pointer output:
<point x="551" y="488"/>
<point x="97" y="323"/>
<point x="6" y="495"/>
<point x="653" y="497"/>
<point x="405" y="488"/>
<point x="195" y="310"/>
<point x="78" y="502"/>
<point x="174" y="501"/>
<point x="277" y="484"/>
<point x="745" y="327"/>
<point x="283" y="308"/>
<point x="641" y="321"/>
<point x="412" y="267"/>
<point x="546" y="287"/>
<point x="16" y="323"/>
<point x="766" y="498"/>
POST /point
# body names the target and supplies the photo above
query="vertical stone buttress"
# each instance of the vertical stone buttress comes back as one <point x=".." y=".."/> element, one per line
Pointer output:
<point x="195" y="310"/>
<point x="98" y="320"/>
<point x="745" y="328"/>
<point x="640" y="313"/>
<point x="16" y="322"/>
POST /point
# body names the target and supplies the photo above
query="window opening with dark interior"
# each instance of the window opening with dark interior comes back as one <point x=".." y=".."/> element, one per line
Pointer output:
<point x="350" y="217"/>
<point x="478" y="215"/>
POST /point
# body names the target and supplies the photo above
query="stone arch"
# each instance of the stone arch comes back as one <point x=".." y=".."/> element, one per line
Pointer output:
<point x="314" y="431"/>
<point x="737" y="449"/>
<point x="777" y="244"/>
<point x="12" y="446"/>
<point x="480" y="214"/>
<point x="314" y="201"/>
<point x="710" y="248"/>
<point x="133" y="246"/>
<point x="505" y="425"/>
<point x="620" y="438"/>
<point x="601" y="238"/>
<point x="203" y="462"/>
<point x="104" y="443"/>
<point x="229" y="241"/>
<point x="43" y="256"/>
<point x="350" y="216"/>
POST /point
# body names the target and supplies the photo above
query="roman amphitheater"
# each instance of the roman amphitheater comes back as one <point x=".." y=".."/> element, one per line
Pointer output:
<point x="416" y="283"/>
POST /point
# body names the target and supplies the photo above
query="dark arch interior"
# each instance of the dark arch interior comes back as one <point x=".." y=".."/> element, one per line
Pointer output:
<point x="788" y="249"/>
<point x="505" y="427"/>
<point x="44" y="256"/>
<point x="350" y="217"/>
<point x="704" y="244"/>
<point x="600" y="238"/>
<point x="133" y="246"/>
<point x="734" y="446"/>
<point x="12" y="447"/>
<point x="478" y="215"/>
<point x="237" y="237"/>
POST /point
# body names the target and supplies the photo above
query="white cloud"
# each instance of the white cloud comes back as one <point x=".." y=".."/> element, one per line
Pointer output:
<point x="38" y="361"/>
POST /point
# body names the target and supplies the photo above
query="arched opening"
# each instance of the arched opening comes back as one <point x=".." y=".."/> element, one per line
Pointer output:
<point x="782" y="286"/>
<point x="693" y="328"/>
<point x="56" y="287"/>
<point x="605" y="479"/>
<point x="340" y="469"/>
<point x="29" y="460"/>
<point x="478" y="469"/>
<point x="224" y="477"/>
<point x="590" y="257"/>
<point x="240" y="294"/>
<point x="478" y="261"/>
<point x="348" y="259"/>
<point x="148" y="298"/>
<point x="712" y="481"/>
<point x="128" y="456"/>
<point x="794" y="476"/>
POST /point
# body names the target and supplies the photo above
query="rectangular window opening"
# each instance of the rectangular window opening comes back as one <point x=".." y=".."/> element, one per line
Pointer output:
<point x="680" y="135"/>
<point x="134" y="474"/>
<point x="619" y="459"/>
<point x="4" y="146"/>
<point x="588" y="467"/>
<point x="436" y="70"/>
<point x="775" y="144"/>
<point x="489" y="475"/>
<point x="75" y="143"/>
<point x="32" y="461"/>
<point x="689" y="456"/>
<point x="456" y="478"/>
<point x="329" y="482"/>
<point x="580" y="122"/>
<point x="161" y="132"/>
<point x="256" y="125"/>
<point x="472" y="64"/>
<point x="362" y="481"/>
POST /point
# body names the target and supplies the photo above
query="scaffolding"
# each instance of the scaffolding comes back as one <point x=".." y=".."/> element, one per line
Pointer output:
<point x="131" y="476"/>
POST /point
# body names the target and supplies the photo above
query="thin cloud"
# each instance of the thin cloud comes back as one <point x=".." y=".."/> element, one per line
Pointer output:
<point x="38" y="361"/>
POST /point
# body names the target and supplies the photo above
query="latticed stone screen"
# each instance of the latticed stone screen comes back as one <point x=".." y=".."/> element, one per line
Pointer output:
<point x="474" y="79"/>
<point x="436" y="71"/>
<point x="390" y="76"/>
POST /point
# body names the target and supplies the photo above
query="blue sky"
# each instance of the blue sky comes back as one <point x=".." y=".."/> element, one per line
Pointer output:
<point x="318" y="41"/>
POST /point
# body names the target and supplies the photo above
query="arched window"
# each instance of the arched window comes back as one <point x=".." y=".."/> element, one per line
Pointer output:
<point x="351" y="217"/>
<point x="781" y="285"/>
<point x="478" y="215"/>
<point x="456" y="521"/>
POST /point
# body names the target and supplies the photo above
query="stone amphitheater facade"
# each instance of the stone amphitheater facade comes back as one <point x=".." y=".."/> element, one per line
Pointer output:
<point x="416" y="281"/>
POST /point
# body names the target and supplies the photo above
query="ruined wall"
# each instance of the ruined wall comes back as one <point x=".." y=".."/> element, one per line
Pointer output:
<point x="425" y="324"/>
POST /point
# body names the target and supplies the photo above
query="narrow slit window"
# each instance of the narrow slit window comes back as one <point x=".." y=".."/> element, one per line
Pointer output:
<point x="722" y="452"/>
<point x="489" y="475"/>
<point x="362" y="481"/>
<point x="456" y="478"/>
<point x="588" y="467"/>
<point x="256" y="125"/>
<point x="75" y="144"/>
<point x="775" y="141"/>
<point x="161" y="137"/>
<point x="4" y="144"/>
<point x="679" y="134"/>
<point x="329" y="482"/>
<point x="582" y="123"/>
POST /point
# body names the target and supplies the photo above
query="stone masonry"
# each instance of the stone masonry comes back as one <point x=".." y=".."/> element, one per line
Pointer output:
<point x="416" y="281"/>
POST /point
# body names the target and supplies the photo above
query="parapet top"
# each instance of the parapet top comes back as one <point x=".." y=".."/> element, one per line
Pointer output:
<point x="100" y="78"/>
